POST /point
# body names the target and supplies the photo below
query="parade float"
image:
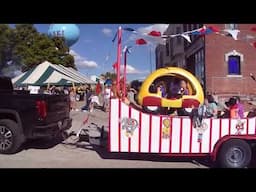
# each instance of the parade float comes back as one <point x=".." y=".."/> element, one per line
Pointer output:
<point x="229" y="142"/>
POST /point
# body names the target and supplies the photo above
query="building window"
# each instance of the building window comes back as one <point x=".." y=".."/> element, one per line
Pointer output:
<point x="161" y="59"/>
<point x="234" y="62"/>
<point x="167" y="48"/>
<point x="231" y="26"/>
<point x="185" y="27"/>
<point x="189" y="27"/>
<point x="178" y="31"/>
<point x="171" y="47"/>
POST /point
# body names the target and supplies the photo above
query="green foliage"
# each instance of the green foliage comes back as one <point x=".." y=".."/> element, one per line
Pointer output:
<point x="5" y="44"/>
<point x="109" y="75"/>
<point x="26" y="47"/>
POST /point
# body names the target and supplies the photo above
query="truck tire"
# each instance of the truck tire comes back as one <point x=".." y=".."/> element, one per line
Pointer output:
<point x="11" y="137"/>
<point x="235" y="153"/>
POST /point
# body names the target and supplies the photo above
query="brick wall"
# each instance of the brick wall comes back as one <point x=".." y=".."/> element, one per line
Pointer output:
<point x="216" y="46"/>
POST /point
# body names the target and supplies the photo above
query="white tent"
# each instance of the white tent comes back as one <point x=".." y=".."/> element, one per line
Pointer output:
<point x="48" y="73"/>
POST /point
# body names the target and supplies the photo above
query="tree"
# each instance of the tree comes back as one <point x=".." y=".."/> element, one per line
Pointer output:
<point x="109" y="75"/>
<point x="6" y="44"/>
<point x="32" y="48"/>
<point x="23" y="47"/>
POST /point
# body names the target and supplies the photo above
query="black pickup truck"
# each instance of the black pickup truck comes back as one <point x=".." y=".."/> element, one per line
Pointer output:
<point x="26" y="116"/>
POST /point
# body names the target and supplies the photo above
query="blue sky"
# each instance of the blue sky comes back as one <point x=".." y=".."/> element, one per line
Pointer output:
<point x="95" y="53"/>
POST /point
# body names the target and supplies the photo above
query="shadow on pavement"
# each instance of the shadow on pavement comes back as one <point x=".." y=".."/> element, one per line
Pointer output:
<point x="104" y="154"/>
<point x="41" y="144"/>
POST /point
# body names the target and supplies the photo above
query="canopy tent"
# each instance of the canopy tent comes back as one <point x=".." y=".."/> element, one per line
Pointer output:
<point x="47" y="73"/>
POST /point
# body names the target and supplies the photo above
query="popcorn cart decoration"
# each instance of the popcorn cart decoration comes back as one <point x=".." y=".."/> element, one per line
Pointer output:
<point x="166" y="128"/>
<point x="239" y="127"/>
<point x="201" y="129"/>
<point x="129" y="125"/>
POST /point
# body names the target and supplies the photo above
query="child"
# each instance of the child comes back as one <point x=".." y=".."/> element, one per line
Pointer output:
<point x="233" y="108"/>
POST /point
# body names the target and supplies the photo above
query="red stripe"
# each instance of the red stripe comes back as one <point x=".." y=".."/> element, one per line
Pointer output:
<point x="129" y="139"/>
<point x="119" y="125"/>
<point x="210" y="141"/>
<point x="109" y="126"/>
<point x="255" y="127"/>
<point x="229" y="126"/>
<point x="247" y="126"/>
<point x="181" y="127"/>
<point x="150" y="130"/>
<point x="140" y="131"/>
<point x="171" y="127"/>
<point x="160" y="135"/>
<point x="220" y="128"/>
<point x="191" y="136"/>
<point x="200" y="147"/>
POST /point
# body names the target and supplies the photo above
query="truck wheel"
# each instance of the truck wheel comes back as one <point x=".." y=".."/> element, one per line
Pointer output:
<point x="235" y="153"/>
<point x="11" y="137"/>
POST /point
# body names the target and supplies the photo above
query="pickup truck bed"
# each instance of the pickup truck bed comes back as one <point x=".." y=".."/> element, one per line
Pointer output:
<point x="28" y="116"/>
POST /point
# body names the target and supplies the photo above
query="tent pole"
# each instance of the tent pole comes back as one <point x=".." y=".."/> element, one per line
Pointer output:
<point x="119" y="47"/>
<point x="73" y="84"/>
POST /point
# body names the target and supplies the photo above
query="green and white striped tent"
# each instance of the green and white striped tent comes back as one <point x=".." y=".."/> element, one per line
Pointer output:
<point x="48" y="73"/>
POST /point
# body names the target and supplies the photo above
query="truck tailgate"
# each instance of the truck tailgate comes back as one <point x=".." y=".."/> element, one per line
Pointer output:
<point x="58" y="107"/>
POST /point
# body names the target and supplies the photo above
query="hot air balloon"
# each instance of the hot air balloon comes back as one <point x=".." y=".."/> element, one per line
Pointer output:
<point x="70" y="32"/>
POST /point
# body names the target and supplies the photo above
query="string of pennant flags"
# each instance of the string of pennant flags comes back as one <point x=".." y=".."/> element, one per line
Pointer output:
<point x="202" y="31"/>
<point x="205" y="30"/>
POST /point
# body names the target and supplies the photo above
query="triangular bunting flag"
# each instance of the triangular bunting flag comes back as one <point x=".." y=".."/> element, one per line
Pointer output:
<point x="155" y="33"/>
<point x="214" y="29"/>
<point x="141" y="42"/>
<point x="186" y="36"/>
<point x="114" y="65"/>
<point x="113" y="40"/>
<point x="233" y="33"/>
<point x="129" y="29"/>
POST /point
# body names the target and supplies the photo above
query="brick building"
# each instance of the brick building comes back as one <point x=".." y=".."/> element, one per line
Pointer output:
<point x="222" y="64"/>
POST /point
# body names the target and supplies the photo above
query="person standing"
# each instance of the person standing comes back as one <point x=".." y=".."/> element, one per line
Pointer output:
<point x="93" y="99"/>
<point x="211" y="106"/>
<point x="233" y="108"/>
<point x="98" y="89"/>
<point x="88" y="94"/>
<point x="72" y="96"/>
<point x="240" y="107"/>
<point x="107" y="94"/>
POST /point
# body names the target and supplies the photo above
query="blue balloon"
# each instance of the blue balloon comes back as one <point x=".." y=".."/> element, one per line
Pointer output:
<point x="70" y="32"/>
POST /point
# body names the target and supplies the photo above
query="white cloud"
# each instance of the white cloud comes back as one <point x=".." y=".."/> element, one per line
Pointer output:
<point x="143" y="31"/>
<point x="107" y="32"/>
<point x="131" y="70"/>
<point x="82" y="62"/>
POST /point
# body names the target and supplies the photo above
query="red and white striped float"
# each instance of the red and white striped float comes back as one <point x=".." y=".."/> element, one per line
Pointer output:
<point x="170" y="135"/>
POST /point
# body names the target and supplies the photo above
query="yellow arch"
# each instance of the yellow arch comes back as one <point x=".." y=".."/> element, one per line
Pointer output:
<point x="175" y="71"/>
